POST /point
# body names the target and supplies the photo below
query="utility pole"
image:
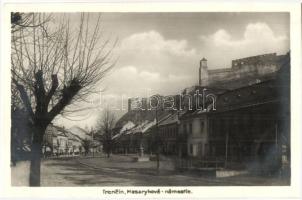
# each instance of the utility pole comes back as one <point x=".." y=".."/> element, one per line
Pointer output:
<point x="276" y="135"/>
<point x="226" y="147"/>
<point x="157" y="142"/>
<point x="276" y="143"/>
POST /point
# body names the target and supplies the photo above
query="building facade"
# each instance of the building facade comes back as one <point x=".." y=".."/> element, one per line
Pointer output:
<point x="195" y="125"/>
<point x="250" y="127"/>
<point x="59" y="141"/>
<point x="168" y="134"/>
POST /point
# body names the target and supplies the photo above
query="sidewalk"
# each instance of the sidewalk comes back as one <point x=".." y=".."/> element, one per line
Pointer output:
<point x="52" y="173"/>
<point x="20" y="174"/>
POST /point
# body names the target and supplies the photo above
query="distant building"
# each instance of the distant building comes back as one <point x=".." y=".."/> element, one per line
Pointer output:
<point x="60" y="141"/>
<point x="74" y="143"/>
<point x="253" y="66"/>
<point x="132" y="138"/>
<point x="55" y="141"/>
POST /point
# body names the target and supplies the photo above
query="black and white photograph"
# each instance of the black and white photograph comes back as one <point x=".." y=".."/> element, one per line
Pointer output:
<point x="150" y="99"/>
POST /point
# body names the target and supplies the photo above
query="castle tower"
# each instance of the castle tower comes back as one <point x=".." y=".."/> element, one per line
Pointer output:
<point x="203" y="72"/>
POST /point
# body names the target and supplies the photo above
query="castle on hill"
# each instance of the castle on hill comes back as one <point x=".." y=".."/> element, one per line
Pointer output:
<point x="254" y="66"/>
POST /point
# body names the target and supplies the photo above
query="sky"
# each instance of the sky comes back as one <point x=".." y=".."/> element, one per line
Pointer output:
<point x="159" y="53"/>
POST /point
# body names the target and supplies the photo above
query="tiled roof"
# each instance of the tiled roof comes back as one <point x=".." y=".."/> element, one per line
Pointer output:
<point x="171" y="119"/>
<point x="140" y="128"/>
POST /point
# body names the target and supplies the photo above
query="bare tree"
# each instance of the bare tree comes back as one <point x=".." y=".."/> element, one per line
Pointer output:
<point x="21" y="20"/>
<point x="86" y="143"/>
<point x="19" y="119"/>
<point x="54" y="66"/>
<point x="105" y="126"/>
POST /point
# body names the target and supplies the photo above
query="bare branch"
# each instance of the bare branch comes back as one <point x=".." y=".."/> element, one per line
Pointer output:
<point x="59" y="63"/>
<point x="24" y="97"/>
<point x="68" y="94"/>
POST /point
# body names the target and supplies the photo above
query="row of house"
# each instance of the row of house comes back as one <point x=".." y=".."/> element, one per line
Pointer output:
<point x="248" y="123"/>
<point x="60" y="141"/>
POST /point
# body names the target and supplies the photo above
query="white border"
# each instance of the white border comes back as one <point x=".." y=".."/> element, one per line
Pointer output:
<point x="293" y="191"/>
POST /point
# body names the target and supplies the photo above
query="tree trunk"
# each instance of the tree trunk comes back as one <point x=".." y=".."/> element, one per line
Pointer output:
<point x="108" y="151"/>
<point x="36" y="154"/>
<point x="35" y="165"/>
<point x="108" y="148"/>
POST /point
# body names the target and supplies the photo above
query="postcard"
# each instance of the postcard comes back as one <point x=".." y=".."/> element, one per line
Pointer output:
<point x="151" y="100"/>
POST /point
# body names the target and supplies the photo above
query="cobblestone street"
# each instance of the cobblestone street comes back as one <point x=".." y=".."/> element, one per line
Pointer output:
<point x="121" y="171"/>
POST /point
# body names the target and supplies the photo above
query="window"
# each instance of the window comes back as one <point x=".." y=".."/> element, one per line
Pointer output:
<point x="190" y="128"/>
<point x="201" y="126"/>
<point x="191" y="149"/>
